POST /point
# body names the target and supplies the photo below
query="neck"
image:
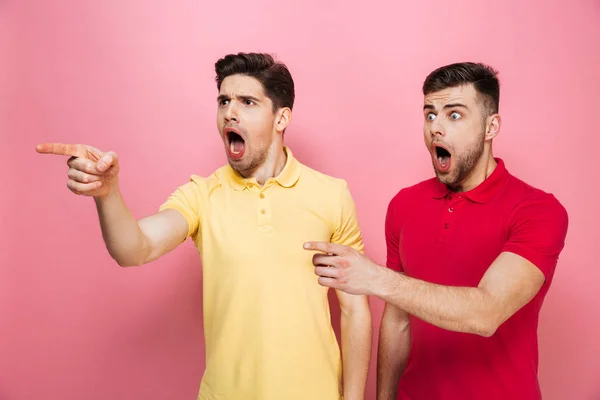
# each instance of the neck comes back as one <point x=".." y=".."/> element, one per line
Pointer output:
<point x="481" y="171"/>
<point x="273" y="164"/>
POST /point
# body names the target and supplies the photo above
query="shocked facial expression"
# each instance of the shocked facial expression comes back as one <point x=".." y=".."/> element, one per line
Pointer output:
<point x="455" y="132"/>
<point x="246" y="122"/>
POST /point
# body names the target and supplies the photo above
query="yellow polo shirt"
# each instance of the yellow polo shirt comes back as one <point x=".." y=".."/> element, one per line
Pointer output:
<point x="267" y="323"/>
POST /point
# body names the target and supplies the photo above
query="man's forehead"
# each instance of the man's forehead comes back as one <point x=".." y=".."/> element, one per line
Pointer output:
<point x="241" y="85"/>
<point x="458" y="94"/>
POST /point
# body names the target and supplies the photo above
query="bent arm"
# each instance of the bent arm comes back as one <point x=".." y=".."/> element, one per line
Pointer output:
<point x="131" y="242"/>
<point x="536" y="238"/>
<point x="508" y="284"/>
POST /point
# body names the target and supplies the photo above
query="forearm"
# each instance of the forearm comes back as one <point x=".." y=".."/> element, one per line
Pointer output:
<point x="460" y="309"/>
<point x="356" y="351"/>
<point x="392" y="357"/>
<point x="125" y="241"/>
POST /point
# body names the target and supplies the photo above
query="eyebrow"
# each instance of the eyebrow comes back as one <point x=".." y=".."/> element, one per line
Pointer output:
<point x="240" y="97"/>
<point x="452" y="105"/>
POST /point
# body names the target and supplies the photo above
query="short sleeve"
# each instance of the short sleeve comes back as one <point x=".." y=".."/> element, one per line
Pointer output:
<point x="187" y="199"/>
<point x="392" y="238"/>
<point x="347" y="230"/>
<point x="537" y="232"/>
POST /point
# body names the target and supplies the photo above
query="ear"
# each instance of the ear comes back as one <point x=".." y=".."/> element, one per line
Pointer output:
<point x="492" y="128"/>
<point x="283" y="119"/>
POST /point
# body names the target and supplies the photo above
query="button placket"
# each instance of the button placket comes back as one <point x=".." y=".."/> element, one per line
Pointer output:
<point x="264" y="212"/>
<point x="449" y="216"/>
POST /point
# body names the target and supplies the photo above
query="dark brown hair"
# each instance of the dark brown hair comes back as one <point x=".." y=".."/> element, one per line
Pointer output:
<point x="274" y="76"/>
<point x="483" y="77"/>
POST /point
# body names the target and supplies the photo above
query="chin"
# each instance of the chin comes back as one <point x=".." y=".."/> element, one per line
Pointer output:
<point x="238" y="165"/>
<point x="445" y="177"/>
<point x="241" y="165"/>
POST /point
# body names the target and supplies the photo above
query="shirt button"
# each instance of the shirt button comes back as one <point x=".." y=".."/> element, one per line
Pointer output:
<point x="262" y="211"/>
<point x="262" y="195"/>
<point x="446" y="226"/>
<point x="451" y="209"/>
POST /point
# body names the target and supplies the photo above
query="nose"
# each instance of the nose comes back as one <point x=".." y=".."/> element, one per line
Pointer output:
<point x="231" y="113"/>
<point x="436" y="128"/>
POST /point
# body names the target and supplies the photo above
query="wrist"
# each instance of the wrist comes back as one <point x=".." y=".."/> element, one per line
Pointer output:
<point x="387" y="283"/>
<point x="112" y="193"/>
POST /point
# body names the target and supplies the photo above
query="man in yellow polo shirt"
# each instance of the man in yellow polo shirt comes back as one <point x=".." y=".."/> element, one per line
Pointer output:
<point x="267" y="322"/>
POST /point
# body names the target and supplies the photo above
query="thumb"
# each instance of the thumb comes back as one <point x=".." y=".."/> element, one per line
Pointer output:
<point x="107" y="160"/>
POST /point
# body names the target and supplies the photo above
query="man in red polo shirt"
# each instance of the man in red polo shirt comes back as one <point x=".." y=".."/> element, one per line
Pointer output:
<point x="470" y="254"/>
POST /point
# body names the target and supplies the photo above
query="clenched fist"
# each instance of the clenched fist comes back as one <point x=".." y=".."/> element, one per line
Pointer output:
<point x="91" y="171"/>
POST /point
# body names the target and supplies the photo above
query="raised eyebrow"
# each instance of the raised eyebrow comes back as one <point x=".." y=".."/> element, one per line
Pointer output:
<point x="456" y="105"/>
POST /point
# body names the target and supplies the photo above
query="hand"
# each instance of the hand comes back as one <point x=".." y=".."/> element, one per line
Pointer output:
<point x="91" y="171"/>
<point x="343" y="268"/>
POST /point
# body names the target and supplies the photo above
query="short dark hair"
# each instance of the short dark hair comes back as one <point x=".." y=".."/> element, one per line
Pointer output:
<point x="274" y="76"/>
<point x="483" y="77"/>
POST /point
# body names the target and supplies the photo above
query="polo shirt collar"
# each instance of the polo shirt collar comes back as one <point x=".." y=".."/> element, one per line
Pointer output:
<point x="286" y="178"/>
<point x="484" y="191"/>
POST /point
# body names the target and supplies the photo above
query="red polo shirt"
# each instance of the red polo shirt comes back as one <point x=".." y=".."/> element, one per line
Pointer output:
<point x="451" y="239"/>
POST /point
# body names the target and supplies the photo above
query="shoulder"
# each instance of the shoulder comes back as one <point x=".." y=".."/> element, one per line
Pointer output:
<point x="537" y="218"/>
<point x="329" y="196"/>
<point x="413" y="194"/>
<point x="321" y="181"/>
<point x="207" y="183"/>
<point x="535" y="203"/>
<point x="404" y="203"/>
<point x="197" y="187"/>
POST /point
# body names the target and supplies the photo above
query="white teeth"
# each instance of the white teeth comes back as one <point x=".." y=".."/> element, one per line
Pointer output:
<point x="443" y="161"/>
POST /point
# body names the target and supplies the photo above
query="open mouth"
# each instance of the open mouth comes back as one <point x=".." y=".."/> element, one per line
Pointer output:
<point x="235" y="143"/>
<point x="443" y="157"/>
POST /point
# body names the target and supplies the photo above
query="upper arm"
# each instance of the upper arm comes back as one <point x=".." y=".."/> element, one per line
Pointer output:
<point x="537" y="233"/>
<point x="393" y="316"/>
<point x="510" y="282"/>
<point x="347" y="232"/>
<point x="528" y="259"/>
<point x="163" y="231"/>
<point x="346" y="229"/>
<point x="187" y="200"/>
<point x="392" y="237"/>
<point x="178" y="218"/>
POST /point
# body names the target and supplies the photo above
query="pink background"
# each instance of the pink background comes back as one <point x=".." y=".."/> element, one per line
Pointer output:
<point x="136" y="77"/>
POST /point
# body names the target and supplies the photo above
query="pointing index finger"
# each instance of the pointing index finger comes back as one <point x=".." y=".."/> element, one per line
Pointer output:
<point x="62" y="149"/>
<point x="325" y="247"/>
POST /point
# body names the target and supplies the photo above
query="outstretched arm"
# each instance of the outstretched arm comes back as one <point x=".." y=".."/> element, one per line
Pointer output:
<point x="130" y="242"/>
<point x="133" y="243"/>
